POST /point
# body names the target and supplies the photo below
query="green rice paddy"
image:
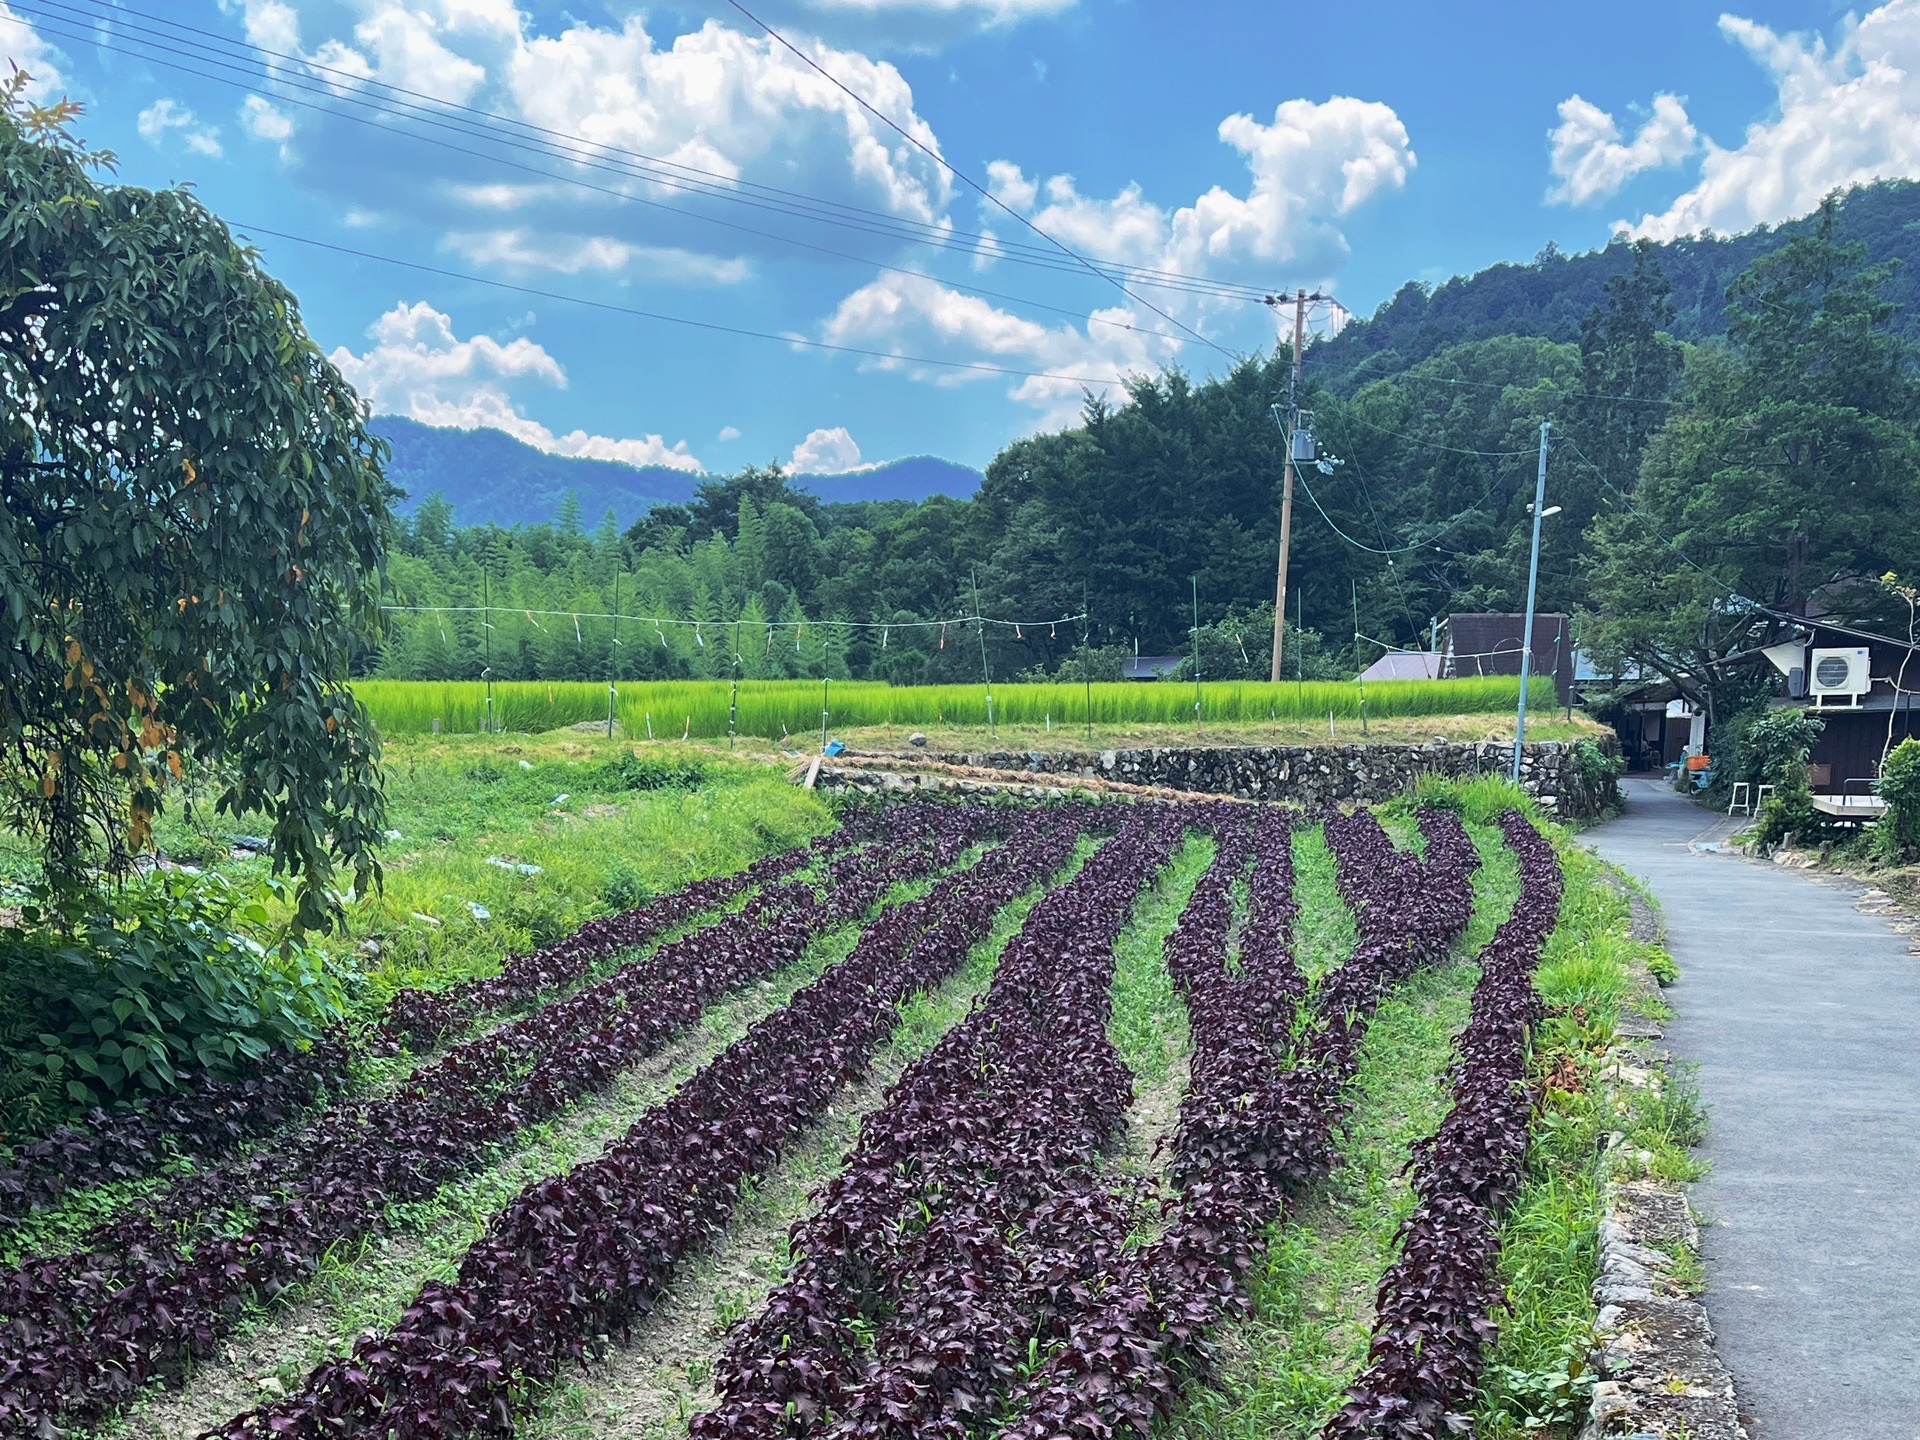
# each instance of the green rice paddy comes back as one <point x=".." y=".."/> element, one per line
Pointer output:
<point x="774" y="709"/>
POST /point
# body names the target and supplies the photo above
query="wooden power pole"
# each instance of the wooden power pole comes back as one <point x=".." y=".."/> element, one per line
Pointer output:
<point x="1300" y="299"/>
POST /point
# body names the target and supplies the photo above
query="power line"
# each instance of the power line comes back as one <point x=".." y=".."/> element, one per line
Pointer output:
<point x="660" y="620"/>
<point x="1494" y="385"/>
<point x="608" y="305"/>
<point x="1626" y="503"/>
<point x="968" y="180"/>
<point x="382" y="99"/>
<point x="1436" y="445"/>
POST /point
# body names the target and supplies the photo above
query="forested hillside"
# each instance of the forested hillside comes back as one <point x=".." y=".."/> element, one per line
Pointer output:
<point x="490" y="478"/>
<point x="1715" y="451"/>
<point x="1552" y="296"/>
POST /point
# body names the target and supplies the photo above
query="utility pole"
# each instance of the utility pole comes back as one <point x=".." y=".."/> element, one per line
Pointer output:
<point x="1196" y="656"/>
<point x="613" y="655"/>
<point x="486" y="629"/>
<point x="1533" y="593"/>
<point x="1300" y="299"/>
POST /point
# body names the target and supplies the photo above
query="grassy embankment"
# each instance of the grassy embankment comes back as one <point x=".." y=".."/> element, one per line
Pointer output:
<point x="604" y="829"/>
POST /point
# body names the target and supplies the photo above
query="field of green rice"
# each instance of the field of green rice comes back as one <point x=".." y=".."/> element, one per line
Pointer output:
<point x="774" y="709"/>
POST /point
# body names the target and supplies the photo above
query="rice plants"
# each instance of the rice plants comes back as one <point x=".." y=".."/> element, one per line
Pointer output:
<point x="775" y="709"/>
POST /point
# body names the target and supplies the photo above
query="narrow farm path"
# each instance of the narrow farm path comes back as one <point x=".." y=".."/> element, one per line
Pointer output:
<point x="1803" y="1015"/>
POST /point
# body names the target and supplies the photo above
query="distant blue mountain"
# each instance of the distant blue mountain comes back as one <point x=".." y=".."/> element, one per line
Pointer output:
<point x="491" y="478"/>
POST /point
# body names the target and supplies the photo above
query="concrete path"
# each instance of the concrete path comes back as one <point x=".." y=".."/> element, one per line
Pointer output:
<point x="1804" y="1017"/>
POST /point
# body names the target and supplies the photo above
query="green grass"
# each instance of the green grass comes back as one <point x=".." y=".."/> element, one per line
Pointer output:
<point x="1285" y="1372"/>
<point x="1537" y="1382"/>
<point x="457" y="805"/>
<point x="1149" y="1021"/>
<point x="775" y="708"/>
<point x="1324" y="933"/>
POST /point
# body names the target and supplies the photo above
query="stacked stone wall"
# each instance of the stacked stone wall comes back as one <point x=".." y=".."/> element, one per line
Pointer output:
<point x="1552" y="772"/>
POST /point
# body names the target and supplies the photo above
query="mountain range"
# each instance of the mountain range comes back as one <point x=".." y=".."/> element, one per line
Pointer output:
<point x="490" y="478"/>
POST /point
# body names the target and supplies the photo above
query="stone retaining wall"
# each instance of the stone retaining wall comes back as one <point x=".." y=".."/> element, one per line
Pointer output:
<point x="1315" y="775"/>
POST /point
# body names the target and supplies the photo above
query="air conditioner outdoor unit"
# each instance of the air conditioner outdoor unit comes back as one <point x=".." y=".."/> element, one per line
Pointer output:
<point x="1840" y="678"/>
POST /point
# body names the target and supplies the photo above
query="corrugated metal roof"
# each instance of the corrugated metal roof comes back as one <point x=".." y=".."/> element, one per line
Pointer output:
<point x="1405" y="665"/>
<point x="1149" y="667"/>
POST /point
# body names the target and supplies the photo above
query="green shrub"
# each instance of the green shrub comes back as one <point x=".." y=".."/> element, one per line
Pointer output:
<point x="1788" y="814"/>
<point x="1774" y="752"/>
<point x="623" y="888"/>
<point x="1480" y="801"/>
<point x="122" y="992"/>
<point x="1598" y="771"/>
<point x="1662" y="967"/>
<point x="1897" y="833"/>
<point x="630" y="772"/>
<point x="1775" y="747"/>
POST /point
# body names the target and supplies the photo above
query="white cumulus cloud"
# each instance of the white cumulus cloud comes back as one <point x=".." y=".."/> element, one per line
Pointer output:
<point x="419" y="367"/>
<point x="166" y="116"/>
<point x="527" y="249"/>
<point x="729" y="432"/>
<point x="1846" y="114"/>
<point x="826" y="452"/>
<point x="909" y="315"/>
<point x="990" y="12"/>
<point x="1591" y="162"/>
<point x="1314" y="165"/>
<point x="735" y="106"/>
<point x="266" y="122"/>
<point x="24" y="46"/>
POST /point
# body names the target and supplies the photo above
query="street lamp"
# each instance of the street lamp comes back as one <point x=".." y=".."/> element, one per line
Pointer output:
<point x="1540" y="511"/>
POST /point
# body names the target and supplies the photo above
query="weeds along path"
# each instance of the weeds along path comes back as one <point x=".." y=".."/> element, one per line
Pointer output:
<point x="364" y="1289"/>
<point x="89" y="1331"/>
<point x="584" y="1255"/>
<point x="650" y="1385"/>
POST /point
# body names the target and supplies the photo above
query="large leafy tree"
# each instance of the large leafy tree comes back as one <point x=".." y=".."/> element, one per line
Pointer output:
<point x="1793" y="476"/>
<point x="193" y="534"/>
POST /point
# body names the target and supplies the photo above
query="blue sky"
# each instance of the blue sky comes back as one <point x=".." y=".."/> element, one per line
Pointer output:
<point x="1230" y="145"/>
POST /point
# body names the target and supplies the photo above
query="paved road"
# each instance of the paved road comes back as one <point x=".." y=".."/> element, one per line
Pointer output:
<point x="1804" y="1017"/>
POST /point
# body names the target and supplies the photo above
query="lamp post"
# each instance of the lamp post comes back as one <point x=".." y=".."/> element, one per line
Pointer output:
<point x="1540" y="513"/>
